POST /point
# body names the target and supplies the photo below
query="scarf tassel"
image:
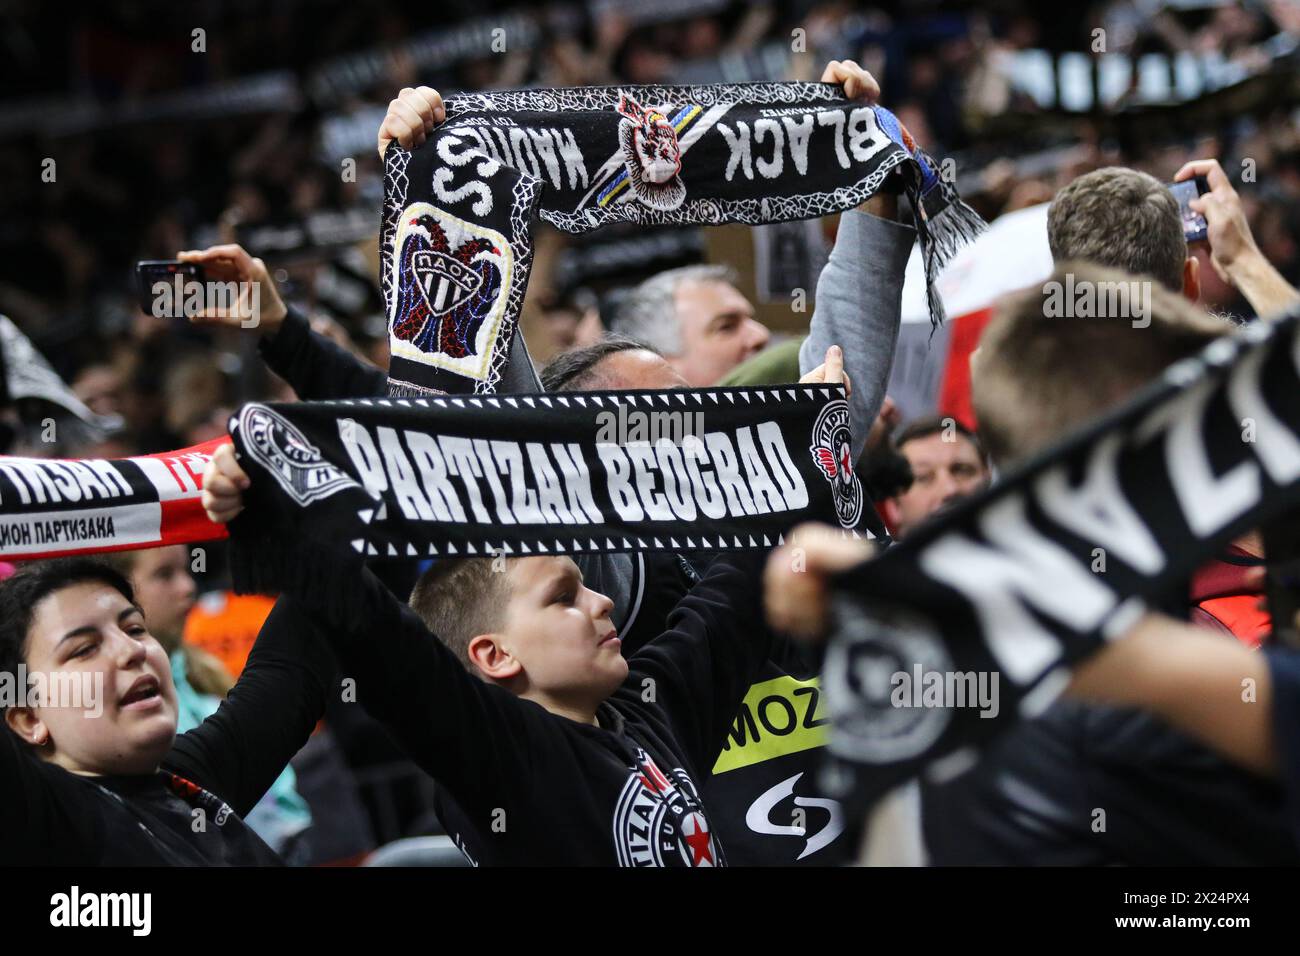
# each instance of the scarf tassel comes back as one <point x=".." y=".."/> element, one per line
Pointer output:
<point x="276" y="562"/>
<point x="941" y="236"/>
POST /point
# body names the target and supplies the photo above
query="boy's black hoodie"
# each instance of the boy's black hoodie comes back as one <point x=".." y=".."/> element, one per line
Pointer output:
<point x="520" y="785"/>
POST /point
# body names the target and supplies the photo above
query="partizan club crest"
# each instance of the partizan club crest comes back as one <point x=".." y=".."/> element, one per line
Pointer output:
<point x="832" y="450"/>
<point x="287" y="454"/>
<point x="860" y="676"/>
<point x="659" y="816"/>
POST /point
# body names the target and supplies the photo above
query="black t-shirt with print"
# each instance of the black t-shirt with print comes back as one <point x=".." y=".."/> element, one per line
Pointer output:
<point x="762" y="785"/>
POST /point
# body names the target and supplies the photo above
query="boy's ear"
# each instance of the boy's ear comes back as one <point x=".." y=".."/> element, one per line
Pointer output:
<point x="492" y="659"/>
<point x="24" y="722"/>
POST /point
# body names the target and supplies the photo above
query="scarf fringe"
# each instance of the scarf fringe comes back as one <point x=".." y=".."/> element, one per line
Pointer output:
<point x="273" y="564"/>
<point x="400" y="389"/>
<point x="953" y="228"/>
<point x="942" y="236"/>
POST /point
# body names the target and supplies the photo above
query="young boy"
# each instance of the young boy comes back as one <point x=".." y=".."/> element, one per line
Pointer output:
<point x="91" y="769"/>
<point x="550" y="747"/>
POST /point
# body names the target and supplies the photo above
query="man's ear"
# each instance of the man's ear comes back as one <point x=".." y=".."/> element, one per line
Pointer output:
<point x="1192" y="279"/>
<point x="889" y="512"/>
<point x="492" y="659"/>
<point x="24" y="722"/>
<point x="973" y="362"/>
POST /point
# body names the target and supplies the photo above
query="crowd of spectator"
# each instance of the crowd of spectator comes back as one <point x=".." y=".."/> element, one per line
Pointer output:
<point x="147" y="130"/>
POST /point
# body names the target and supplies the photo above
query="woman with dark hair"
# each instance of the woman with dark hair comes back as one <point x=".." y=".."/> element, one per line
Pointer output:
<point x="91" y="768"/>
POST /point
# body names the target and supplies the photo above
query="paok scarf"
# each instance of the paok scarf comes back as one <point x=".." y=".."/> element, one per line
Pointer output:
<point x="456" y="239"/>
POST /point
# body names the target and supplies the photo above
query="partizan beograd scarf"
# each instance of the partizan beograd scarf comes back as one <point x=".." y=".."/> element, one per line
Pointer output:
<point x="700" y="469"/>
<point x="1040" y="571"/>
<point x="458" y="211"/>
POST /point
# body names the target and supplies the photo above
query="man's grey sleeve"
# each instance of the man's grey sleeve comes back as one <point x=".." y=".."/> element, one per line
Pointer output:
<point x="858" y="307"/>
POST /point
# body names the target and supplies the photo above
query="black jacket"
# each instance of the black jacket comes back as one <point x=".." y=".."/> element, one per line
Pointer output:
<point x="1085" y="785"/>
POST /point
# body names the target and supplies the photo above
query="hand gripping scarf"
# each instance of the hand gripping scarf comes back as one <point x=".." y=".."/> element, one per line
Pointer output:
<point x="1064" y="554"/>
<point x="456" y="238"/>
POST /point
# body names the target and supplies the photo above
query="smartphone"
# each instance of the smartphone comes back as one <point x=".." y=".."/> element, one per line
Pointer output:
<point x="165" y="301"/>
<point x="1195" y="228"/>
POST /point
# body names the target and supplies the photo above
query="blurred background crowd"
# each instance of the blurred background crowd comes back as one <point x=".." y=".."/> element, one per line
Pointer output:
<point x="136" y="130"/>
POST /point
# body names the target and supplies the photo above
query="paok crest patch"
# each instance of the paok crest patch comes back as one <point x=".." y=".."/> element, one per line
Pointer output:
<point x="451" y="278"/>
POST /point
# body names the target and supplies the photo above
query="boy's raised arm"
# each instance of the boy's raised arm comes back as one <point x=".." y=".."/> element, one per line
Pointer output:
<point x="463" y="731"/>
<point x="467" y="734"/>
<point x="717" y="639"/>
<point x="716" y="643"/>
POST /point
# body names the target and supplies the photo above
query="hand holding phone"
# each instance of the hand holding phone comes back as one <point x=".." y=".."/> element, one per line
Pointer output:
<point x="1234" y="254"/>
<point x="162" y="284"/>
<point x="1195" y="228"/>
<point x="218" y="286"/>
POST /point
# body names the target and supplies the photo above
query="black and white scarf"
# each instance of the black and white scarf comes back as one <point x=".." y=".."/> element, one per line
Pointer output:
<point x="1066" y="553"/>
<point x="458" y="211"/>
<point x="681" y="470"/>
